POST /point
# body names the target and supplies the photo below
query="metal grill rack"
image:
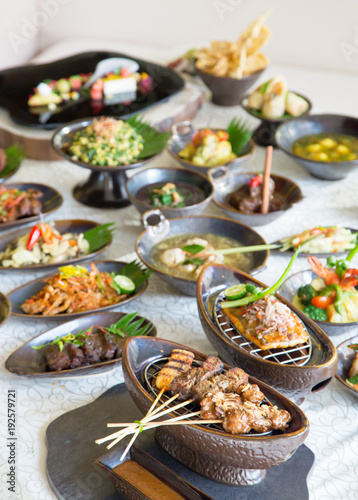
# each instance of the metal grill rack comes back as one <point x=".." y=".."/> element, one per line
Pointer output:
<point x="150" y="374"/>
<point x="298" y="355"/>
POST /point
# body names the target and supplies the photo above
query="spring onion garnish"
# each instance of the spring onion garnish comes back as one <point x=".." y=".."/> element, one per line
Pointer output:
<point x="256" y="296"/>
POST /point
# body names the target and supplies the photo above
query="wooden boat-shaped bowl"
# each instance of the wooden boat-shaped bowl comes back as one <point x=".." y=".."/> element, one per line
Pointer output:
<point x="345" y="359"/>
<point x="51" y="201"/>
<point x="24" y="292"/>
<point x="30" y="362"/>
<point x="311" y="368"/>
<point x="230" y="459"/>
<point x="75" y="226"/>
<point x="158" y="228"/>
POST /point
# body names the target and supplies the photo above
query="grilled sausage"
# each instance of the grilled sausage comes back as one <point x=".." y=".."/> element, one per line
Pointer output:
<point x="180" y="362"/>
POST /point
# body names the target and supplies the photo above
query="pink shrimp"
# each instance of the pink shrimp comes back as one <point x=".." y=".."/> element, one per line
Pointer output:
<point x="329" y="275"/>
<point x="350" y="278"/>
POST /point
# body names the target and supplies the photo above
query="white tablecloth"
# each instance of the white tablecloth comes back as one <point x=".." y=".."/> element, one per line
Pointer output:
<point x="332" y="412"/>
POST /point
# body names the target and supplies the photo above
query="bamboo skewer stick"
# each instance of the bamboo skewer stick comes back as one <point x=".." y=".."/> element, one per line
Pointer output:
<point x="266" y="180"/>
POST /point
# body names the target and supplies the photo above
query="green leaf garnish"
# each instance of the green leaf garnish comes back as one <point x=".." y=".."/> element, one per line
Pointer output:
<point x="239" y="135"/>
<point x="99" y="236"/>
<point x="136" y="272"/>
<point x="353" y="346"/>
<point x="154" y="142"/>
<point x="353" y="380"/>
<point x="256" y="296"/>
<point x="196" y="261"/>
<point x="15" y="154"/>
<point x="193" y="249"/>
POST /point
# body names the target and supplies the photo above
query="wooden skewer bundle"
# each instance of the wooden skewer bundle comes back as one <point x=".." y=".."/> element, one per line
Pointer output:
<point x="147" y="423"/>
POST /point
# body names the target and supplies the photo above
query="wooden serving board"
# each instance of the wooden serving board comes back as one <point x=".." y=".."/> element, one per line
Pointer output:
<point x="72" y="452"/>
<point x="182" y="106"/>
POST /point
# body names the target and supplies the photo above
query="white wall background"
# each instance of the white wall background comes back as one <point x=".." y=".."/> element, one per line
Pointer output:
<point x="315" y="33"/>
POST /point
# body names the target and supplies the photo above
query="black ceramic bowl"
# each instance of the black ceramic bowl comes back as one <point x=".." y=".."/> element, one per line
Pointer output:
<point x="264" y="135"/>
<point x="226" y="182"/>
<point x="289" y="289"/>
<point x="196" y="188"/>
<point x="75" y="226"/>
<point x="227" y="91"/>
<point x="18" y="296"/>
<point x="345" y="359"/>
<point x="306" y="370"/>
<point x="105" y="186"/>
<point x="291" y="131"/>
<point x="5" y="308"/>
<point x="210" y="451"/>
<point x="158" y="228"/>
<point x="183" y="133"/>
<point x="30" y="362"/>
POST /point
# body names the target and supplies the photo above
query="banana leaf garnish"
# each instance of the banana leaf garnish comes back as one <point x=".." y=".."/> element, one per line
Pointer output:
<point x="256" y="296"/>
<point x="239" y="135"/>
<point x="136" y="272"/>
<point x="14" y="156"/>
<point x="99" y="236"/>
<point x="154" y="142"/>
<point x="125" y="326"/>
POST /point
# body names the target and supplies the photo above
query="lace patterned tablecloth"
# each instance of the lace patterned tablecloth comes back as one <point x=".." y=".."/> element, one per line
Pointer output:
<point x="332" y="412"/>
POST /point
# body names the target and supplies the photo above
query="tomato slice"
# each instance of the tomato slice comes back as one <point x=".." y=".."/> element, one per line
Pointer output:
<point x="321" y="301"/>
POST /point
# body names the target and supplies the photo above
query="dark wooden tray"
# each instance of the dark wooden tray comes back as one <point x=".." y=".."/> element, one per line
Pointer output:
<point x="72" y="452"/>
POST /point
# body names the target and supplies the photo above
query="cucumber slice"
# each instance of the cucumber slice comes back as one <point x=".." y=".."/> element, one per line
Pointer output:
<point x="125" y="284"/>
<point x="236" y="292"/>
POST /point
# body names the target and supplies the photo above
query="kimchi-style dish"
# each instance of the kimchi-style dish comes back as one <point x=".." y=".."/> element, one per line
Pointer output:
<point x="222" y="395"/>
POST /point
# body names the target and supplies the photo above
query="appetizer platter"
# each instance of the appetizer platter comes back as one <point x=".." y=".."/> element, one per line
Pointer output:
<point x="325" y="145"/>
<point x="66" y="77"/>
<point x="273" y="104"/>
<point x="25" y="202"/>
<point x="108" y="147"/>
<point x="74" y="290"/>
<point x="47" y="245"/>
<point x="146" y="368"/>
<point x="265" y="334"/>
<point x="199" y="150"/>
<point x="177" y="249"/>
<point x="177" y="192"/>
<point x="239" y="195"/>
<point x="347" y="369"/>
<point x="81" y="347"/>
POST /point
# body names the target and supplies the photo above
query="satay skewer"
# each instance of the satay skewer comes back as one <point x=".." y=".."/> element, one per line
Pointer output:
<point x="266" y="181"/>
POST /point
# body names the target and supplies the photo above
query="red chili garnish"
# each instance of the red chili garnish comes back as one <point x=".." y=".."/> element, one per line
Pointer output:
<point x="256" y="181"/>
<point x="33" y="237"/>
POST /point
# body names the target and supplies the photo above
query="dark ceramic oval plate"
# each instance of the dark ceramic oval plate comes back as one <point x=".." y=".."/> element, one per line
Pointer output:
<point x="205" y="449"/>
<point x="75" y="226"/>
<point x="24" y="292"/>
<point x="289" y="289"/>
<point x="14" y="97"/>
<point x="51" y="201"/>
<point x="345" y="359"/>
<point x="163" y="228"/>
<point x="5" y="308"/>
<point x="295" y="373"/>
<point x="31" y="362"/>
<point x="196" y="189"/>
<point x="323" y="255"/>
<point x="64" y="135"/>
